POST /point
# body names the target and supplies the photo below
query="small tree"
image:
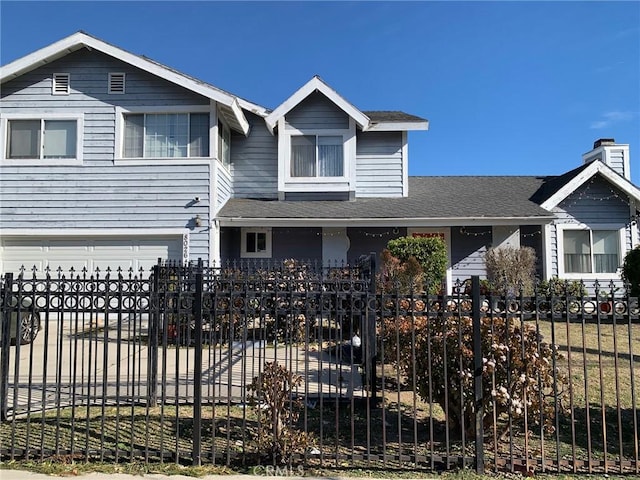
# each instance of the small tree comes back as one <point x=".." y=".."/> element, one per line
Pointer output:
<point x="509" y="269"/>
<point x="277" y="408"/>
<point x="430" y="253"/>
<point x="631" y="270"/>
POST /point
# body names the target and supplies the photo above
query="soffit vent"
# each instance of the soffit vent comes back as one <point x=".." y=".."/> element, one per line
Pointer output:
<point x="61" y="83"/>
<point x="116" y="83"/>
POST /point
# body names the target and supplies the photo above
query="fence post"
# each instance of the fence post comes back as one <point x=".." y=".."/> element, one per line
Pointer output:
<point x="5" y="341"/>
<point x="197" y="365"/>
<point x="154" y="332"/>
<point x="372" y="341"/>
<point x="477" y="369"/>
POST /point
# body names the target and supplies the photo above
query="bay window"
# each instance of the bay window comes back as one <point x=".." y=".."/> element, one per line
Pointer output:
<point x="317" y="156"/>
<point x="590" y="251"/>
<point x="166" y="135"/>
<point x="42" y="139"/>
<point x="224" y="144"/>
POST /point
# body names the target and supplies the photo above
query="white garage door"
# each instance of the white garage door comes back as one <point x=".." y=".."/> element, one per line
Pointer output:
<point x="91" y="252"/>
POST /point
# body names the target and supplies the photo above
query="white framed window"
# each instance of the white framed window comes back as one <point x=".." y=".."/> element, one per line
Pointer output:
<point x="255" y="243"/>
<point x="224" y="144"/>
<point x="49" y="139"/>
<point x="61" y="84"/>
<point x="317" y="156"/>
<point x="585" y="252"/>
<point x="166" y="135"/>
<point x="116" y="84"/>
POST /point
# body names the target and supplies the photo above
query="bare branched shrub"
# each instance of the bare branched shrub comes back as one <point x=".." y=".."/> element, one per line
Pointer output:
<point x="511" y="269"/>
<point x="520" y="378"/>
<point x="272" y="394"/>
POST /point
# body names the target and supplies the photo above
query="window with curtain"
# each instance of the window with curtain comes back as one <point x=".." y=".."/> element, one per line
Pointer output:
<point x="166" y="135"/>
<point x="224" y="144"/>
<point x="317" y="156"/>
<point x="591" y="251"/>
<point x="42" y="139"/>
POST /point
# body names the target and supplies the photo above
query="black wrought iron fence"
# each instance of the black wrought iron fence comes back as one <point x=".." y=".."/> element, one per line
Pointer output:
<point x="302" y="365"/>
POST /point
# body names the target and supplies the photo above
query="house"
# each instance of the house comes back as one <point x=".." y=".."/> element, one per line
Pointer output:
<point x="109" y="159"/>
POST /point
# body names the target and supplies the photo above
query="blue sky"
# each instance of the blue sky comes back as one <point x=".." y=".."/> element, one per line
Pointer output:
<point x="509" y="88"/>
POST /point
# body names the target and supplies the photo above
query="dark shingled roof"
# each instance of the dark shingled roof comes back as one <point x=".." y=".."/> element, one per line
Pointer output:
<point x="429" y="198"/>
<point x="377" y="116"/>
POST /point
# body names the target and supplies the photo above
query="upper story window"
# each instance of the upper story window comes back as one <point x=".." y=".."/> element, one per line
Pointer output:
<point x="585" y="252"/>
<point x="61" y="84"/>
<point x="224" y="144"/>
<point x="317" y="156"/>
<point x="42" y="139"/>
<point x="166" y="135"/>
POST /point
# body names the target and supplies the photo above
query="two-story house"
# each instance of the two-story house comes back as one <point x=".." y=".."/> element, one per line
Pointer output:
<point x="110" y="159"/>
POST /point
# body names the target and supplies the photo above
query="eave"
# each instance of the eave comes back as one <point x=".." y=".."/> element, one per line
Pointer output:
<point x="81" y="40"/>
<point x="383" y="222"/>
<point x="596" y="167"/>
<point x="316" y="84"/>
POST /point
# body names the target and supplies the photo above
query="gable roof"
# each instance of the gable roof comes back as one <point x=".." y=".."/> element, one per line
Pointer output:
<point x="315" y="84"/>
<point x="561" y="187"/>
<point x="437" y="201"/>
<point x="232" y="106"/>
<point x="381" y="120"/>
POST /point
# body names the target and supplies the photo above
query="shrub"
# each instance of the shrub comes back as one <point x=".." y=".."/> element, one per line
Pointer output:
<point x="517" y="377"/>
<point x="272" y="393"/>
<point x="557" y="287"/>
<point x="430" y="254"/>
<point x="631" y="270"/>
<point x="510" y="269"/>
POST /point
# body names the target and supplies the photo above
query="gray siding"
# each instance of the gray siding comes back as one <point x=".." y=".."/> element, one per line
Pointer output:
<point x="531" y="236"/>
<point x="99" y="194"/>
<point x="223" y="187"/>
<point x="364" y="240"/>
<point x="593" y="204"/>
<point x="468" y="247"/>
<point x="299" y="243"/>
<point x="379" y="164"/>
<point x="254" y="161"/>
<point x="316" y="112"/>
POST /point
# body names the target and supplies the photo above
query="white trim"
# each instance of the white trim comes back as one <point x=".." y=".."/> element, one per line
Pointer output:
<point x="79" y="40"/>
<point x="633" y="226"/>
<point x="547" y="265"/>
<point x="592" y="169"/>
<point x="92" y="232"/>
<point x="214" y="244"/>
<point x="268" y="242"/>
<point x="622" y="249"/>
<point x="398" y="126"/>
<point x="446" y="231"/>
<point x="120" y="112"/>
<point x="287" y="183"/>
<point x="405" y="165"/>
<point x="380" y="222"/>
<point x="316" y="84"/>
<point x="4" y="137"/>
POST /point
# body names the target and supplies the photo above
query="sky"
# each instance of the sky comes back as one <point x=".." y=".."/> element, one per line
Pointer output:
<point x="509" y="88"/>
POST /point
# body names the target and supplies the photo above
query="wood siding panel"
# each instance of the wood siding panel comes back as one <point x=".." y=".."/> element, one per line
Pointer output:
<point x="468" y="247"/>
<point x="98" y="194"/>
<point x="254" y="162"/>
<point x="596" y="203"/>
<point x="379" y="166"/>
<point x="316" y="112"/>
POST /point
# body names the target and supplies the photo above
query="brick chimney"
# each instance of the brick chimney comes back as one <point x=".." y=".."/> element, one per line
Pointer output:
<point x="610" y="153"/>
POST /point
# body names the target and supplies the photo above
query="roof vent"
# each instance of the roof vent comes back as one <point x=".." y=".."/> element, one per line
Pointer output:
<point x="603" y="141"/>
<point x="61" y="83"/>
<point x="116" y="83"/>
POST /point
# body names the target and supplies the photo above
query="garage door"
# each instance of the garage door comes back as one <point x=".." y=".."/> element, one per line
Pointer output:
<point x="91" y="252"/>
